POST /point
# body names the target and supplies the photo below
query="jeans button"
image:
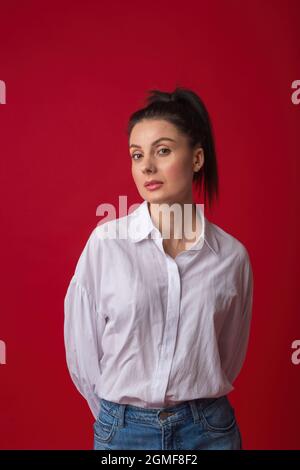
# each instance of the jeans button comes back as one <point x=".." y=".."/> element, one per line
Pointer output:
<point x="165" y="414"/>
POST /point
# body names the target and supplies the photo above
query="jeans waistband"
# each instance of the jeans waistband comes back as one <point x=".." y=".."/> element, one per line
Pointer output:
<point x="147" y="415"/>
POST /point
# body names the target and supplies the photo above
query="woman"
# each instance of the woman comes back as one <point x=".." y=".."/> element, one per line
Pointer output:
<point x="156" y="324"/>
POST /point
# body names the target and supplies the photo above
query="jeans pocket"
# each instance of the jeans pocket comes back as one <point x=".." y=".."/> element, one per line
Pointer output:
<point x="219" y="416"/>
<point x="105" y="426"/>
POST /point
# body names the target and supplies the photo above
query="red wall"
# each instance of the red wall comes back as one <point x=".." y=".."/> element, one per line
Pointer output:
<point x="74" y="71"/>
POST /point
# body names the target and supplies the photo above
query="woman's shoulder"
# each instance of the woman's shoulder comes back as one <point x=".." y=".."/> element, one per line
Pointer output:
<point x="229" y="243"/>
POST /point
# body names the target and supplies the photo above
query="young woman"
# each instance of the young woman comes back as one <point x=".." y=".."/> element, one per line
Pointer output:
<point x="158" y="311"/>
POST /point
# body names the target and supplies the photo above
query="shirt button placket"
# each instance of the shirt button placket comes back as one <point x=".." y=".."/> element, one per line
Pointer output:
<point x="170" y="332"/>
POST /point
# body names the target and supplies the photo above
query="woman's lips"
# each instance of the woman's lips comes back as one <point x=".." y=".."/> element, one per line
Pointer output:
<point x="153" y="186"/>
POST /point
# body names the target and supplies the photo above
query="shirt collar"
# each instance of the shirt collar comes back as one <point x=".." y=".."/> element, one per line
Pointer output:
<point x="141" y="227"/>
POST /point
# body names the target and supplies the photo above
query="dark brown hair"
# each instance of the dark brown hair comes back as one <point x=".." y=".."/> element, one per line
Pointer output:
<point x="187" y="111"/>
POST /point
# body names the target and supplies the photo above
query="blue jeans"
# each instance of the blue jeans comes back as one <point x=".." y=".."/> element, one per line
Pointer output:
<point x="204" y="423"/>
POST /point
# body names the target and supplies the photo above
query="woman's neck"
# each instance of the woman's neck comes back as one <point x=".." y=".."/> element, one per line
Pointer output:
<point x="178" y="223"/>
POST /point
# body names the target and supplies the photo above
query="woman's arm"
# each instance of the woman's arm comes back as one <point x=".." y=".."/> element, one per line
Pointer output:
<point x="82" y="336"/>
<point x="234" y="336"/>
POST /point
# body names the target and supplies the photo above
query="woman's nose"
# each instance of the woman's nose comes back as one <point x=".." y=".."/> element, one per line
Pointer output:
<point x="148" y="165"/>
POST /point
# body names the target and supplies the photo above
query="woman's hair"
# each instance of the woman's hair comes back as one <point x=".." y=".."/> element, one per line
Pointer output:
<point x="186" y="110"/>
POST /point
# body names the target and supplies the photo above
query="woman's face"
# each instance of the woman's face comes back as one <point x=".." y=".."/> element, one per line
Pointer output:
<point x="159" y="152"/>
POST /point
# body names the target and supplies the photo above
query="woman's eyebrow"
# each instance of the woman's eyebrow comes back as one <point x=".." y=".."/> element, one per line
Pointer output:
<point x="154" y="143"/>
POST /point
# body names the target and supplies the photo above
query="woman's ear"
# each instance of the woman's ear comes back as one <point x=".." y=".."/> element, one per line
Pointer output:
<point x="198" y="160"/>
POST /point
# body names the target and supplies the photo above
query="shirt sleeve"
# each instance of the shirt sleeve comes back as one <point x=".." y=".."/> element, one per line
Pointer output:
<point x="234" y="336"/>
<point x="83" y="328"/>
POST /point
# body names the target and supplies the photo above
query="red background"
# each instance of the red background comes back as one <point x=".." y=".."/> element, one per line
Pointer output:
<point x="74" y="71"/>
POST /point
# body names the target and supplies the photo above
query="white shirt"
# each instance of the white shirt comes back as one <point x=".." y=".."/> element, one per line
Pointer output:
<point x="145" y="329"/>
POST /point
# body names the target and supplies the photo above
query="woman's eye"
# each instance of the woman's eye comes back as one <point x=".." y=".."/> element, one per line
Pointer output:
<point x="164" y="148"/>
<point x="134" y="155"/>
